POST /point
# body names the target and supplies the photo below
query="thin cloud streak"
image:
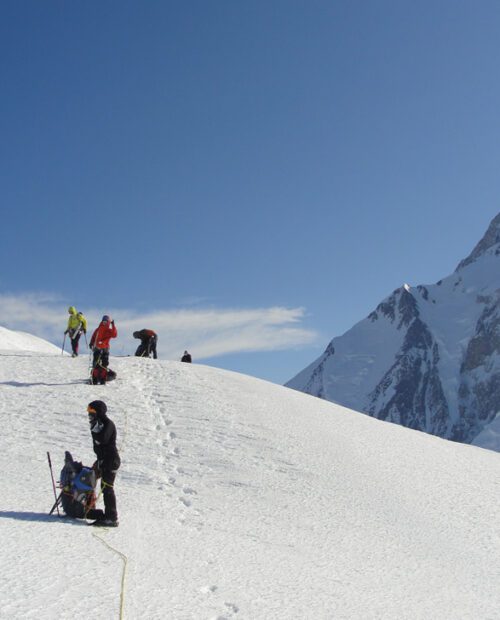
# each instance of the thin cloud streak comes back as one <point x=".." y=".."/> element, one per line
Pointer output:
<point x="205" y="332"/>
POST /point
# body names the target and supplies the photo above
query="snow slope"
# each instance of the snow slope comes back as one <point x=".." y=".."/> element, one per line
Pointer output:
<point x="11" y="341"/>
<point x="239" y="499"/>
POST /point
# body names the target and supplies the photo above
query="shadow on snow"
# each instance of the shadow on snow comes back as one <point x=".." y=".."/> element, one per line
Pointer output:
<point x="37" y="516"/>
<point x="19" y="384"/>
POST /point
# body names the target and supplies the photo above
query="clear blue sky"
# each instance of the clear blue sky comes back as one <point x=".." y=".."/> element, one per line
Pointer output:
<point x="228" y="155"/>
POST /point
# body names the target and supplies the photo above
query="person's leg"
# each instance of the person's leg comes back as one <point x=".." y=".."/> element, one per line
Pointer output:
<point x="102" y="369"/>
<point x="108" y="492"/>
<point x="71" y="335"/>
<point x="75" y="341"/>
<point x="105" y="358"/>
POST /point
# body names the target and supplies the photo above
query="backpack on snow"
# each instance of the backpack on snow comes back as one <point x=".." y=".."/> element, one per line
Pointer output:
<point x="100" y="374"/>
<point x="78" y="488"/>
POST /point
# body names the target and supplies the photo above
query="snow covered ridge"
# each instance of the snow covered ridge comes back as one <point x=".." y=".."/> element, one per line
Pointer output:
<point x="238" y="500"/>
<point x="428" y="357"/>
<point x="20" y="341"/>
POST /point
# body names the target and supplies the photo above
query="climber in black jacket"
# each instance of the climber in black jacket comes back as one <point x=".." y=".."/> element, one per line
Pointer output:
<point x="103" y="432"/>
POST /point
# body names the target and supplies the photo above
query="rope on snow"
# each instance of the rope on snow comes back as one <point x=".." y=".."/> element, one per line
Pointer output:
<point x="124" y="571"/>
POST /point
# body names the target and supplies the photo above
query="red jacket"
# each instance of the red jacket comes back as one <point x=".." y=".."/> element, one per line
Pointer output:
<point x="102" y="335"/>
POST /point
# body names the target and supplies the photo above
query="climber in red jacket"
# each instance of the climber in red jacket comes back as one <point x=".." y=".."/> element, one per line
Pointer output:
<point x="99" y="343"/>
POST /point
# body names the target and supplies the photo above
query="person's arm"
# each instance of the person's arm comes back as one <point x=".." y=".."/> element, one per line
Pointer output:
<point x="102" y="438"/>
<point x="114" y="331"/>
<point x="107" y="433"/>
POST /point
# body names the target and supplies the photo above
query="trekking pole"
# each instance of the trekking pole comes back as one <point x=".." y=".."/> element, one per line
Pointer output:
<point x="56" y="505"/>
<point x="64" y="340"/>
<point x="53" y="485"/>
<point x="90" y="368"/>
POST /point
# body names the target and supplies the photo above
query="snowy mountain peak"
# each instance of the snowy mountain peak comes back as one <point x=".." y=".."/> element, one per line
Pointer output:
<point x="489" y="243"/>
<point x="400" y="307"/>
<point x="427" y="357"/>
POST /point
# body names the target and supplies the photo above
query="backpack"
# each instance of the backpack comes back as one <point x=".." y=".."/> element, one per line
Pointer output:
<point x="78" y="487"/>
<point x="100" y="374"/>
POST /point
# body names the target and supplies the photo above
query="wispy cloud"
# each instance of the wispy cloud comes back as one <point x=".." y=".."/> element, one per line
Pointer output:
<point x="206" y="332"/>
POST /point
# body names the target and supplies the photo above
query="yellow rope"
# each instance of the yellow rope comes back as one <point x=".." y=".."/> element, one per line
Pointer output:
<point x="124" y="571"/>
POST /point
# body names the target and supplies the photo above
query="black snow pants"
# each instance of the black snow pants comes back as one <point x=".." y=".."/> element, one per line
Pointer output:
<point x="108" y="494"/>
<point x="75" y="338"/>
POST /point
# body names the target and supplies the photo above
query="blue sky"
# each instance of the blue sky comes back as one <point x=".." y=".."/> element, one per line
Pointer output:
<point x="246" y="175"/>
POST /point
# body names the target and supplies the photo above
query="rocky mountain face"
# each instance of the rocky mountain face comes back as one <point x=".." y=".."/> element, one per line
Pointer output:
<point x="427" y="357"/>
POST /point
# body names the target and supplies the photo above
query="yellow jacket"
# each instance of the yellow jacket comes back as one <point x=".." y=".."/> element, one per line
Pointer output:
<point x="76" y="319"/>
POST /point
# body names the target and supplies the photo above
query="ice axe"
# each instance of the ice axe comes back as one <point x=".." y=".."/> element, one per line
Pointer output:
<point x="56" y="505"/>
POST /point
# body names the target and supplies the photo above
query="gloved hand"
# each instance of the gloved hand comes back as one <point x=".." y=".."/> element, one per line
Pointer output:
<point x="84" y="331"/>
<point x="66" y="332"/>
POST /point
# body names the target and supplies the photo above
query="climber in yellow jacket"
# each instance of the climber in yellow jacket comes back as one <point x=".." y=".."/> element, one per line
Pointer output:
<point x="77" y="324"/>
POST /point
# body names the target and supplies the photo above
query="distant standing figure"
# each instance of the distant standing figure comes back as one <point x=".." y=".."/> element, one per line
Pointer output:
<point x="148" y="339"/>
<point x="99" y="343"/>
<point x="77" y="324"/>
<point x="103" y="432"/>
<point x="186" y="357"/>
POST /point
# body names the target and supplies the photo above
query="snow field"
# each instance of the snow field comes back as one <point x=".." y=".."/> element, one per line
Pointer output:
<point x="239" y="499"/>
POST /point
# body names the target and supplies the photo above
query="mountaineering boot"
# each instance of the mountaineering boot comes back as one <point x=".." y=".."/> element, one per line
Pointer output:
<point x="105" y="523"/>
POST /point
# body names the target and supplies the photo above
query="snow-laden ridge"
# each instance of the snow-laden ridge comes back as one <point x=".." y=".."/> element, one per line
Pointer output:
<point x="489" y="241"/>
<point x="428" y="357"/>
<point x="12" y="341"/>
<point x="240" y="499"/>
